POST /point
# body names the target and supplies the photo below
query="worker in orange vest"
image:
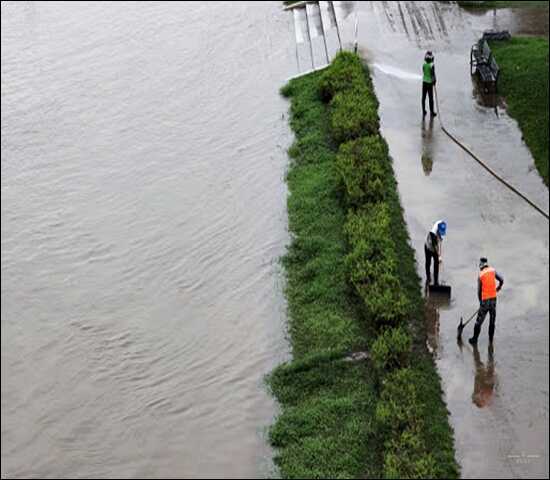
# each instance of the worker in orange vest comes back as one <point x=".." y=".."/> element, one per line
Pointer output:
<point x="487" y="293"/>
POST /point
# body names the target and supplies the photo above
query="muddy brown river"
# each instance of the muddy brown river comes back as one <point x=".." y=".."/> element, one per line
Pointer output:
<point x="143" y="214"/>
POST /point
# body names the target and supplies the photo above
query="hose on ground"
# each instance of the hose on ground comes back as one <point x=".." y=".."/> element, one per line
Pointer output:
<point x="484" y="165"/>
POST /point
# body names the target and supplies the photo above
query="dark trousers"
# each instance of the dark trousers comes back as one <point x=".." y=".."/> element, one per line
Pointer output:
<point x="427" y="89"/>
<point x="429" y="255"/>
<point x="490" y="307"/>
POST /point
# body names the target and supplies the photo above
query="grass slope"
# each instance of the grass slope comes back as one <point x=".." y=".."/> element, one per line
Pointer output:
<point x="523" y="82"/>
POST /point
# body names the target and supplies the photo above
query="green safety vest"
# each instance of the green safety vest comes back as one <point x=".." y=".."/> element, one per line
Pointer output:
<point x="427" y="70"/>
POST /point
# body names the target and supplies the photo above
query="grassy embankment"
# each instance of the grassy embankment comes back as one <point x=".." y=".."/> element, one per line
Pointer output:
<point x="523" y="81"/>
<point x="352" y="286"/>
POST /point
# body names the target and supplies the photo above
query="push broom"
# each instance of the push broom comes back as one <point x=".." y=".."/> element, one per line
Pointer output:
<point x="462" y="324"/>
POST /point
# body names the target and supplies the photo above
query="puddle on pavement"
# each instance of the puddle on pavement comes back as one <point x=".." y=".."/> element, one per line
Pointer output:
<point x="426" y="158"/>
<point x="485" y="379"/>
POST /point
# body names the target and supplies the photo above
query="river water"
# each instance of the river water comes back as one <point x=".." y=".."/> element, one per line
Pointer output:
<point x="143" y="215"/>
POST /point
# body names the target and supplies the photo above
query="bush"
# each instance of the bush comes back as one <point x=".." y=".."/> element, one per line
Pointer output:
<point x="372" y="265"/>
<point x="346" y="72"/>
<point x="399" y="407"/>
<point x="353" y="114"/>
<point x="406" y="457"/>
<point x="363" y="165"/>
<point x="391" y="350"/>
<point x="414" y="448"/>
<point x="286" y="90"/>
<point x="385" y="302"/>
<point x="370" y="226"/>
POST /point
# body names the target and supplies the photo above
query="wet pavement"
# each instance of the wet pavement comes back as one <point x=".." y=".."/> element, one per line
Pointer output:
<point x="518" y="21"/>
<point x="498" y="399"/>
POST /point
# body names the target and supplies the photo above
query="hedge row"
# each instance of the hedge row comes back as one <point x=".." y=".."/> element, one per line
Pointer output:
<point x="364" y="166"/>
<point x="353" y="106"/>
<point x="366" y="173"/>
<point x="372" y="265"/>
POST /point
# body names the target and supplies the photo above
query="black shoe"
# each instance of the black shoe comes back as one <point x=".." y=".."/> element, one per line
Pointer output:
<point x="472" y="341"/>
<point x="424" y="113"/>
<point x="433" y="114"/>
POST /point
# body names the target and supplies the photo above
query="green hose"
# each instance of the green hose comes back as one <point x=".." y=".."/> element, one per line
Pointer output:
<point x="484" y="165"/>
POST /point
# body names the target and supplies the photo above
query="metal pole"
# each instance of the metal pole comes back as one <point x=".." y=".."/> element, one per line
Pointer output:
<point x="309" y="40"/>
<point x="324" y="35"/>
<point x="356" y="28"/>
<point x="336" y="23"/>
<point x="296" y="39"/>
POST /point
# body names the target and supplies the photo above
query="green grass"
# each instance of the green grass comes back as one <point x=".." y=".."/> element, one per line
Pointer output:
<point x="327" y="428"/>
<point x="352" y="284"/>
<point x="322" y="314"/>
<point x="503" y="4"/>
<point x="324" y="430"/>
<point x="523" y="81"/>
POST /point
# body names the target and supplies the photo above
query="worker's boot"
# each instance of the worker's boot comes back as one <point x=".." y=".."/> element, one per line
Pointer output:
<point x="473" y="340"/>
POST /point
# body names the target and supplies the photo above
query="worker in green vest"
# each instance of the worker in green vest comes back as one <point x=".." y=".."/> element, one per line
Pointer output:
<point x="428" y="83"/>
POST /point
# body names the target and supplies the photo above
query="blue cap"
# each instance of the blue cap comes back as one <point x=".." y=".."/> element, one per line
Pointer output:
<point x="442" y="228"/>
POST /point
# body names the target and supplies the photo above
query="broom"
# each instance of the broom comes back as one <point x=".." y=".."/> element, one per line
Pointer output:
<point x="462" y="324"/>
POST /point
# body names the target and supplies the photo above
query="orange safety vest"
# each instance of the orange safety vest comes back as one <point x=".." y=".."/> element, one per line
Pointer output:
<point x="487" y="276"/>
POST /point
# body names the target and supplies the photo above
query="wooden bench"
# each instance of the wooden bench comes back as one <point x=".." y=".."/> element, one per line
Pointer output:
<point x="483" y="63"/>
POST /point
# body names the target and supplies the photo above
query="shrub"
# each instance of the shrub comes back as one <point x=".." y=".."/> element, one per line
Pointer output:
<point x="391" y="350"/>
<point x="363" y="165"/>
<point x="346" y="72"/>
<point x="406" y="457"/>
<point x="286" y="90"/>
<point x="376" y="282"/>
<point x="384" y="300"/>
<point x="399" y="407"/>
<point x="399" y="415"/>
<point x="370" y="226"/>
<point x="372" y="265"/>
<point x="353" y="114"/>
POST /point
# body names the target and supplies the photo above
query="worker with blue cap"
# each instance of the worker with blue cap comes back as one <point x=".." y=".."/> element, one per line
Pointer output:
<point x="432" y="249"/>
